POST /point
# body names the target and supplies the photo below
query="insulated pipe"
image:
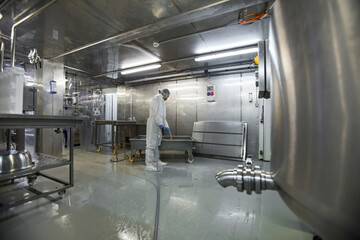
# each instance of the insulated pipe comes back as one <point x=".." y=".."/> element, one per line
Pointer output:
<point x="13" y="29"/>
<point x="247" y="178"/>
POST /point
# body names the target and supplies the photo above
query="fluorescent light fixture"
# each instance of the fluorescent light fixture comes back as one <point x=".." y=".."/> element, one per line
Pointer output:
<point x="226" y="47"/>
<point x="226" y="54"/>
<point x="140" y="69"/>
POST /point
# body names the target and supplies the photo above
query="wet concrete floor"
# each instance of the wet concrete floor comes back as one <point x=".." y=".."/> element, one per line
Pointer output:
<point x="116" y="200"/>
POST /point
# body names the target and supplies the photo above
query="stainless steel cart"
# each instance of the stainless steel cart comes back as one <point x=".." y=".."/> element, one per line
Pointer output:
<point x="177" y="143"/>
<point x="41" y="161"/>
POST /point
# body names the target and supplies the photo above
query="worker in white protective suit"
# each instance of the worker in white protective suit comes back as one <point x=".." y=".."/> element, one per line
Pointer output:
<point x="155" y="124"/>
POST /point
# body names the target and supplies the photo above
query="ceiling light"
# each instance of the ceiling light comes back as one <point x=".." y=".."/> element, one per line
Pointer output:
<point x="1" y="16"/>
<point x="224" y="47"/>
<point x="226" y="54"/>
<point x="140" y="69"/>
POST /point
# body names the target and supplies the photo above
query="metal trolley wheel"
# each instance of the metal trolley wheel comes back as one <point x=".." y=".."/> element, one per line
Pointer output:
<point x="61" y="193"/>
<point x="31" y="180"/>
<point x="131" y="158"/>
<point x="190" y="157"/>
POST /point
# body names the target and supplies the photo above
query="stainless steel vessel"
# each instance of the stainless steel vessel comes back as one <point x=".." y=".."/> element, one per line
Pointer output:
<point x="11" y="161"/>
<point x="315" y="53"/>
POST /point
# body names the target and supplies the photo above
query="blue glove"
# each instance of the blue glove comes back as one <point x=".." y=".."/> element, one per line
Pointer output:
<point x="167" y="129"/>
<point x="161" y="126"/>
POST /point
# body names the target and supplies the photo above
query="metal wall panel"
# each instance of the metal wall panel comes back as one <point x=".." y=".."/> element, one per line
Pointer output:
<point x="171" y="104"/>
<point x="121" y="104"/>
<point x="186" y="96"/>
<point x="50" y="104"/>
<point x="188" y="103"/>
<point x="227" y="99"/>
<point x="250" y="113"/>
<point x="129" y="104"/>
<point x="142" y="96"/>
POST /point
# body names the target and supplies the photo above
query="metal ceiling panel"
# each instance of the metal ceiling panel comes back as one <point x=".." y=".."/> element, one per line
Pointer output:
<point x="16" y="8"/>
<point x="164" y="24"/>
<point x="231" y="37"/>
<point x="186" y="5"/>
<point x="116" y="57"/>
<point x="6" y="22"/>
<point x="133" y="14"/>
<point x="184" y="40"/>
<point x="214" y="40"/>
<point x="224" y="20"/>
<point x="61" y="27"/>
<point x="67" y="30"/>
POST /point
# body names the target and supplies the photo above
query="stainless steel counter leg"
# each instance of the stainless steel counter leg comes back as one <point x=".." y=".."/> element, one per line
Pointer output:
<point x="71" y="166"/>
<point x="96" y="133"/>
<point x="20" y="139"/>
<point x="37" y="141"/>
<point x="8" y="139"/>
<point x="112" y="139"/>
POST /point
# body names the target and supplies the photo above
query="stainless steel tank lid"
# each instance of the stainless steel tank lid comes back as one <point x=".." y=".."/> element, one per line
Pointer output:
<point x="13" y="160"/>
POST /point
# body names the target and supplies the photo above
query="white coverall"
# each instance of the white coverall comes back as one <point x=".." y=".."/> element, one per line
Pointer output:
<point x="157" y="117"/>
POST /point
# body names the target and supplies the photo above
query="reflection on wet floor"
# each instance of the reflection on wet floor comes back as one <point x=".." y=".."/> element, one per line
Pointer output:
<point x="116" y="200"/>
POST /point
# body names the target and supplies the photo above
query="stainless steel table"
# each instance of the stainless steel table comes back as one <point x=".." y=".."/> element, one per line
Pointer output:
<point x="41" y="161"/>
<point x="118" y="129"/>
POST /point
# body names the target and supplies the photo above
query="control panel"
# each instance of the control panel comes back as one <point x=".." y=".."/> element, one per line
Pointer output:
<point x="210" y="93"/>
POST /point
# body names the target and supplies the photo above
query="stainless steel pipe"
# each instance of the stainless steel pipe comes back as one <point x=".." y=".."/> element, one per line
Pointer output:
<point x="247" y="178"/>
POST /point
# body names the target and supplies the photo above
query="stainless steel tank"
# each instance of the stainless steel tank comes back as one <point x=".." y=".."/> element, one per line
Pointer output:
<point x="315" y="53"/>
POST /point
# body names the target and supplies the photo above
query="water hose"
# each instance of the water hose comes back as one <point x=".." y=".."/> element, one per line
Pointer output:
<point x="156" y="227"/>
